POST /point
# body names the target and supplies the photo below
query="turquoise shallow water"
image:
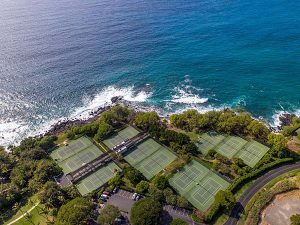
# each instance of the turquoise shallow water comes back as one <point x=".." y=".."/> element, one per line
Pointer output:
<point x="64" y="58"/>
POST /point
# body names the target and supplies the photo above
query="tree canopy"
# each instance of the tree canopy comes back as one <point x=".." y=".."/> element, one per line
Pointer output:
<point x="108" y="215"/>
<point x="146" y="212"/>
<point x="295" y="219"/>
<point x="75" y="212"/>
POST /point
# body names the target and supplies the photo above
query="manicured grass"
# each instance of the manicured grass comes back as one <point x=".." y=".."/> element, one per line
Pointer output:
<point x="36" y="217"/>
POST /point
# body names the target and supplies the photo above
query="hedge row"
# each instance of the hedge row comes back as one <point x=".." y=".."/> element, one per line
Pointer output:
<point x="242" y="180"/>
<point x="214" y="209"/>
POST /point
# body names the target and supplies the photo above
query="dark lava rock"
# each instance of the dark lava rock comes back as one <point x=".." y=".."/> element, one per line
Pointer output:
<point x="116" y="99"/>
<point x="286" y="119"/>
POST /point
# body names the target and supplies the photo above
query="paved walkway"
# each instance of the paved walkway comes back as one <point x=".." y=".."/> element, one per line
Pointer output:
<point x="255" y="187"/>
<point x="24" y="214"/>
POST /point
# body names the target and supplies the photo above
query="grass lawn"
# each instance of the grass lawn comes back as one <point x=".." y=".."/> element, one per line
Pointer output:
<point x="36" y="216"/>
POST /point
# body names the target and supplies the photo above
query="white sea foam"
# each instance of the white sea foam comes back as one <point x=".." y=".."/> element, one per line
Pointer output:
<point x="275" y="123"/>
<point x="12" y="132"/>
<point x="103" y="98"/>
<point x="185" y="96"/>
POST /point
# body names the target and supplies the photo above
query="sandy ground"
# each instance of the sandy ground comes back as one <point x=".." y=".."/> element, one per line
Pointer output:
<point x="281" y="209"/>
<point x="293" y="144"/>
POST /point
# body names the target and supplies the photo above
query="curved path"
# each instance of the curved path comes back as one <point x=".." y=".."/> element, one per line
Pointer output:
<point x="24" y="214"/>
<point x="255" y="187"/>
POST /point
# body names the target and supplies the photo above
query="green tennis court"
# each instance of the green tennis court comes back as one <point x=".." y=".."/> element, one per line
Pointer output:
<point x="80" y="159"/>
<point x="248" y="158"/>
<point x="198" y="184"/>
<point x="184" y="180"/>
<point x="252" y="153"/>
<point x="97" y="178"/>
<point x="256" y="148"/>
<point x="155" y="163"/>
<point x="71" y="149"/>
<point x="128" y="132"/>
<point x="230" y="146"/>
<point x="208" y="141"/>
<point x="203" y="194"/>
<point x="116" y="139"/>
<point x="149" y="157"/>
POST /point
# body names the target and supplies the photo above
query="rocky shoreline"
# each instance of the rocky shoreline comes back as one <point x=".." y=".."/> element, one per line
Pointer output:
<point x="60" y="126"/>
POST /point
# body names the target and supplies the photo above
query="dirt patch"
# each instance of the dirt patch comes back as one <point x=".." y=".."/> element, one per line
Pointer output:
<point x="280" y="210"/>
<point x="294" y="144"/>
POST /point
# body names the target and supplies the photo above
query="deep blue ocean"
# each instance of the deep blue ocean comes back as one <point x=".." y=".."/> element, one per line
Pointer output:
<point x="64" y="58"/>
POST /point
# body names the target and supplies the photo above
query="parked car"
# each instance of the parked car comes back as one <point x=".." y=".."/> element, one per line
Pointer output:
<point x="134" y="196"/>
<point x="138" y="197"/>
<point x="116" y="189"/>
<point x="105" y="196"/>
<point x="103" y="199"/>
<point x="106" y="193"/>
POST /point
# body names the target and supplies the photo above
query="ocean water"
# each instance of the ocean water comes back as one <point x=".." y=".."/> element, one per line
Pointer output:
<point x="62" y="59"/>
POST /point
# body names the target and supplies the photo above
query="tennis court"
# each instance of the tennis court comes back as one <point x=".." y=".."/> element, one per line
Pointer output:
<point x="97" y="178"/>
<point x="80" y="159"/>
<point x="208" y="141"/>
<point x="203" y="194"/>
<point x="149" y="157"/>
<point x="252" y="153"/>
<point x="230" y="146"/>
<point x="155" y="163"/>
<point x="198" y="184"/>
<point x="142" y="151"/>
<point x="184" y="180"/>
<point x="116" y="139"/>
<point x="71" y="149"/>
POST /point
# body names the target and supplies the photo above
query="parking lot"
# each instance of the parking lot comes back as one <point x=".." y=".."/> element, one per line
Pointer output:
<point x="123" y="200"/>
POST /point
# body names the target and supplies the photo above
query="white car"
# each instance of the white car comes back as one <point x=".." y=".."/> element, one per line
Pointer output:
<point x="134" y="196"/>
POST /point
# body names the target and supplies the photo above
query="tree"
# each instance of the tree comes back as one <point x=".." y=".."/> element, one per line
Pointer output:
<point x="145" y="120"/>
<point x="278" y="143"/>
<point x="177" y="120"/>
<point x="182" y="202"/>
<point x="295" y="219"/>
<point x="226" y="200"/>
<point x="116" y="180"/>
<point x="142" y="187"/>
<point x="103" y="131"/>
<point x="258" y="130"/>
<point x="178" y="222"/>
<point x="47" y="142"/>
<point x="44" y="171"/>
<point x="133" y="175"/>
<point x="160" y="182"/>
<point x="75" y="212"/>
<point x="156" y="194"/>
<point x="51" y="195"/>
<point x="108" y="215"/>
<point x="146" y="212"/>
